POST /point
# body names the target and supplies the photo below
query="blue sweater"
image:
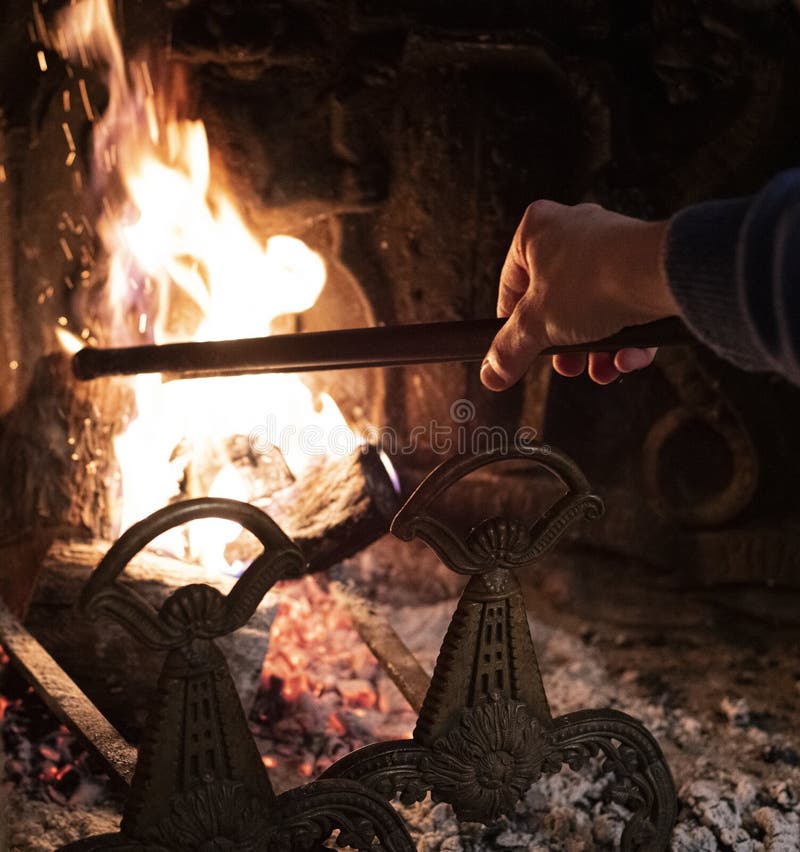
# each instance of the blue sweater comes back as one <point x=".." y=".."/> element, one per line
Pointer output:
<point x="734" y="268"/>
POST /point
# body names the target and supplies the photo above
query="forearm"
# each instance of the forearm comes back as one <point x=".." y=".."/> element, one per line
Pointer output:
<point x="734" y="269"/>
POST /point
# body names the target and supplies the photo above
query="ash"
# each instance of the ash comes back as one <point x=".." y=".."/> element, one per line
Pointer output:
<point x="724" y="711"/>
<point x="53" y="791"/>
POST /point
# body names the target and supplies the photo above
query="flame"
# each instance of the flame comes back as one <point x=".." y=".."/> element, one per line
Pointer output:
<point x="183" y="265"/>
<point x="70" y="342"/>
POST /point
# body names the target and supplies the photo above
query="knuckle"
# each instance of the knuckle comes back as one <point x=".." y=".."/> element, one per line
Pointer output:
<point x="515" y="346"/>
<point x="539" y="209"/>
<point x="501" y="358"/>
<point x="539" y="214"/>
<point x="540" y="217"/>
<point x="528" y="325"/>
<point x="527" y="336"/>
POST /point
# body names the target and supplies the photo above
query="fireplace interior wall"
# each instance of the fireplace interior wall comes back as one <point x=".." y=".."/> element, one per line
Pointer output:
<point x="403" y="141"/>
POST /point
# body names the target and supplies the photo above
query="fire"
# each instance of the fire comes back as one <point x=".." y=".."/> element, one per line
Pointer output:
<point x="182" y="265"/>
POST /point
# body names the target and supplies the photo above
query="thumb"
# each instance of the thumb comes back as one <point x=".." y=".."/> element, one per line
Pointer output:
<point x="513" y="349"/>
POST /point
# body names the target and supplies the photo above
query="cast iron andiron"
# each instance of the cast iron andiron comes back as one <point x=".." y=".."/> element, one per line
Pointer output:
<point x="485" y="732"/>
<point x="200" y="785"/>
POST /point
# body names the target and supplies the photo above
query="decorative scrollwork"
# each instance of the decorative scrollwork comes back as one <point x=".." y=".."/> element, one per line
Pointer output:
<point x="194" y="611"/>
<point x="308" y="816"/>
<point x="485" y="732"/>
<point x="497" y="542"/>
<point x="390" y="768"/>
<point x="199" y="782"/>
<point x="484" y="765"/>
<point x="643" y="783"/>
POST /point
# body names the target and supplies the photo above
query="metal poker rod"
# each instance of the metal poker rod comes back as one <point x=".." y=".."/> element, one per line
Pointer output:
<point x="383" y="346"/>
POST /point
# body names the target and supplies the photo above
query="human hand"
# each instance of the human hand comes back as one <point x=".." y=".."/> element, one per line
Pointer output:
<point x="574" y="275"/>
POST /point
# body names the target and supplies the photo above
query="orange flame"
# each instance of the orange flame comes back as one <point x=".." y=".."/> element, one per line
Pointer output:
<point x="183" y="265"/>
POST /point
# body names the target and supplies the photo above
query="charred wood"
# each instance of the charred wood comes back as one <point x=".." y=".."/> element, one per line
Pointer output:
<point x="58" y="473"/>
<point x="393" y="655"/>
<point x="338" y="508"/>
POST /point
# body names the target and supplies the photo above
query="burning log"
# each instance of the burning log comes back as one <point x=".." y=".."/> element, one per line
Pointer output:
<point x="56" y="453"/>
<point x="338" y="508"/>
<point x="57" y="470"/>
<point x="263" y="473"/>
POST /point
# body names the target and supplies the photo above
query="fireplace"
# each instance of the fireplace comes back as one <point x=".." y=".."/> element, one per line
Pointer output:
<point x="400" y="143"/>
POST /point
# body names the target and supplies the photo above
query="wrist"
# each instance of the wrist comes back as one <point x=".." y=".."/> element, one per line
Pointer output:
<point x="663" y="299"/>
<point x="642" y="284"/>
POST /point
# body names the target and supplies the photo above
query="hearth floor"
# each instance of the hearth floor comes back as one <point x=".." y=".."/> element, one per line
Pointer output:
<point x="726" y="716"/>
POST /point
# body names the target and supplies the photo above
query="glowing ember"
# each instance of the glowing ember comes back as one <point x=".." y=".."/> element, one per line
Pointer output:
<point x="182" y="265"/>
<point x="322" y="692"/>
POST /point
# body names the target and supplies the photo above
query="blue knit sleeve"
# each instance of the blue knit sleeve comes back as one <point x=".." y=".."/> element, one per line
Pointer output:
<point x="734" y="269"/>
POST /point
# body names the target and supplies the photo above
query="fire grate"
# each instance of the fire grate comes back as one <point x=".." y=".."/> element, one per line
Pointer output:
<point x="484" y="734"/>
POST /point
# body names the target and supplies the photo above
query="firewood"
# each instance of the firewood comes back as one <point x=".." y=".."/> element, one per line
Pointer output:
<point x="111" y="667"/>
<point x="336" y="509"/>
<point x="264" y="472"/>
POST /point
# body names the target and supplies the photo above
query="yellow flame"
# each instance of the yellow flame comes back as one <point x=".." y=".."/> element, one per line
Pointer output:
<point x="70" y="343"/>
<point x="183" y="265"/>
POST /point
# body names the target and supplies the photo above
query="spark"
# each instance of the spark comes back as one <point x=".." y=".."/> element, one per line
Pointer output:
<point x="42" y="60"/>
<point x="87" y="104"/>
<point x="68" y="135"/>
